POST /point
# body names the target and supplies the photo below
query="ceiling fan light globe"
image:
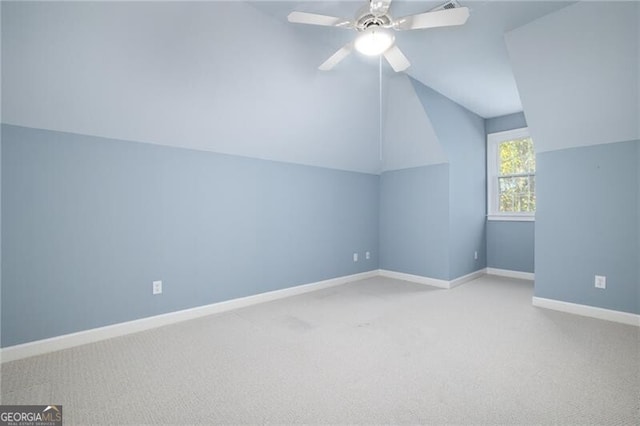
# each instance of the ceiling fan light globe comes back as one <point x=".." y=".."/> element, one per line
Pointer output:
<point x="374" y="41"/>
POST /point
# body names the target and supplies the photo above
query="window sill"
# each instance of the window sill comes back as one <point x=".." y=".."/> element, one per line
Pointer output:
<point x="511" y="218"/>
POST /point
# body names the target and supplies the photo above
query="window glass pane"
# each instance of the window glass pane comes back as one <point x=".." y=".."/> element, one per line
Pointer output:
<point x="517" y="194"/>
<point x="511" y="167"/>
<point x="517" y="157"/>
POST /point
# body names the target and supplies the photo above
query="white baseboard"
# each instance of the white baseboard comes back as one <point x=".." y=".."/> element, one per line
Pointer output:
<point x="39" y="347"/>
<point x="466" y="278"/>
<point x="434" y="282"/>
<point x="587" y="311"/>
<point x="12" y="353"/>
<point x="530" y="276"/>
<point x="418" y="279"/>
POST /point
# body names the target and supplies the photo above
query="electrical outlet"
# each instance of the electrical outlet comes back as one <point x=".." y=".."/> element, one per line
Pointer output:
<point x="157" y="287"/>
<point x="367" y="255"/>
<point x="475" y="255"/>
<point x="601" y="281"/>
<point x="355" y="257"/>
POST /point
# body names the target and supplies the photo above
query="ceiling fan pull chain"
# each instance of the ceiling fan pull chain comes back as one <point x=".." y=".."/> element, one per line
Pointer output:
<point x="380" y="108"/>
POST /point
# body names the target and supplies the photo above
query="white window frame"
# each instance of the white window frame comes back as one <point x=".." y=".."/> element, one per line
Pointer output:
<point x="493" y="140"/>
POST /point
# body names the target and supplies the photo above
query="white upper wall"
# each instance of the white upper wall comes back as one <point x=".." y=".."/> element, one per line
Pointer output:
<point x="577" y="74"/>
<point x="215" y="76"/>
<point x="409" y="138"/>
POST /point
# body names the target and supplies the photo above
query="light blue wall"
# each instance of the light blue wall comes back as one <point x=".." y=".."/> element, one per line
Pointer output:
<point x="586" y="225"/>
<point x="414" y="211"/>
<point x="462" y="135"/>
<point x="510" y="245"/>
<point x="88" y="223"/>
<point x="580" y="96"/>
<point x="0" y="227"/>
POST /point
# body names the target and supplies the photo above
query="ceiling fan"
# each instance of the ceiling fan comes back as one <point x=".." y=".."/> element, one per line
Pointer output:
<point x="374" y="25"/>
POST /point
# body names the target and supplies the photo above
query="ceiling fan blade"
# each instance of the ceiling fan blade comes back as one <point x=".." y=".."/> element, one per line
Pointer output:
<point x="315" y="19"/>
<point x="379" y="7"/>
<point x="396" y="59"/>
<point x="440" y="18"/>
<point x="337" y="57"/>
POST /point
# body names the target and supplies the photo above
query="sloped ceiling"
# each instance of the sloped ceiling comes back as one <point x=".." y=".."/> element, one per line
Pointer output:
<point x="237" y="78"/>
<point x="595" y="90"/>
<point x="217" y="76"/>
<point x="409" y="138"/>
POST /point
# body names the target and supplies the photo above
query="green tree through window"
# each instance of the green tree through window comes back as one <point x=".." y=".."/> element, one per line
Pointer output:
<point x="516" y="179"/>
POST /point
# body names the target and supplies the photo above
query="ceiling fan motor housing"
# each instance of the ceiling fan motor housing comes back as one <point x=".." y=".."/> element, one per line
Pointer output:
<point x="367" y="19"/>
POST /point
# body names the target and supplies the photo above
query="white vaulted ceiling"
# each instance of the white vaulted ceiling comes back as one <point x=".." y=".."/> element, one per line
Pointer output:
<point x="237" y="78"/>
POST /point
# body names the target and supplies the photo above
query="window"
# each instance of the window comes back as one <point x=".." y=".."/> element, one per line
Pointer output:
<point x="511" y="175"/>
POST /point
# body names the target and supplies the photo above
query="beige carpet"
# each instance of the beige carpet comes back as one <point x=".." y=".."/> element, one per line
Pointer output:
<point x="373" y="351"/>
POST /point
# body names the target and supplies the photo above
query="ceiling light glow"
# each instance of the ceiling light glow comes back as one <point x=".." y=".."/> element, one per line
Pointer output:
<point x="374" y="41"/>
